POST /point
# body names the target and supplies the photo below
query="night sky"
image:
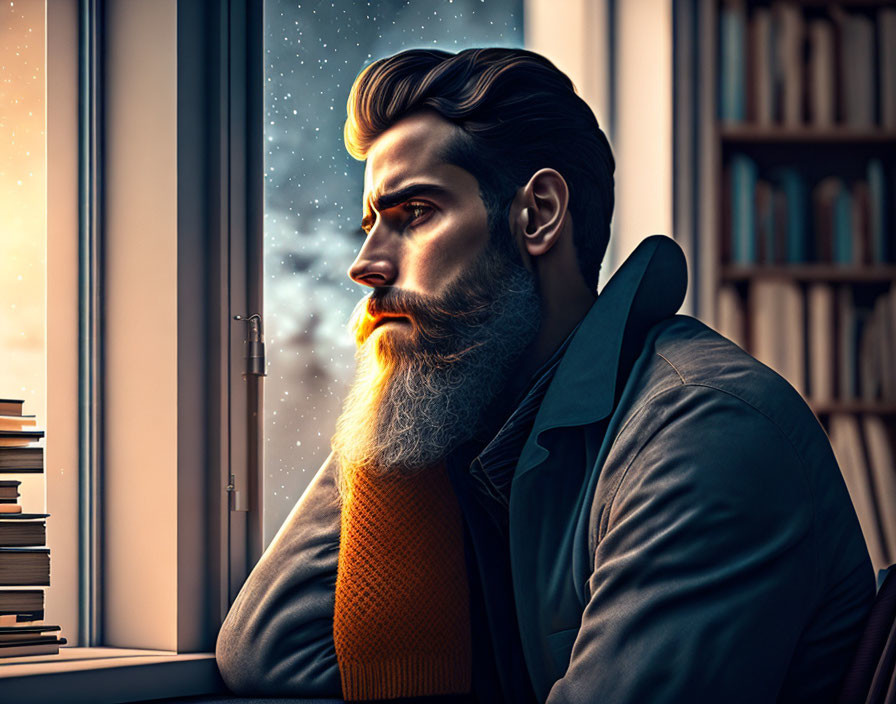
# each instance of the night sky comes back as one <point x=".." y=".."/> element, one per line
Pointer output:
<point x="313" y="190"/>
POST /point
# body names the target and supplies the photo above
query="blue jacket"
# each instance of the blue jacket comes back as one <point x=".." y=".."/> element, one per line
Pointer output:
<point x="678" y="528"/>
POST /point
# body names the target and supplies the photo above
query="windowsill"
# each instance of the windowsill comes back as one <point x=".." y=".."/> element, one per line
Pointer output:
<point x="99" y="675"/>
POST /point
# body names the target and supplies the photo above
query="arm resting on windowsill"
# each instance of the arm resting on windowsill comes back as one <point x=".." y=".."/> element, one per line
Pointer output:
<point x="278" y="637"/>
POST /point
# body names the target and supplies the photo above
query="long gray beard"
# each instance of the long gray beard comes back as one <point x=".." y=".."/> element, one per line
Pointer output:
<point x="410" y="406"/>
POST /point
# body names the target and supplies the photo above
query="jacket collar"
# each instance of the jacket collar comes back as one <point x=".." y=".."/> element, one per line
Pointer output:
<point x="648" y="287"/>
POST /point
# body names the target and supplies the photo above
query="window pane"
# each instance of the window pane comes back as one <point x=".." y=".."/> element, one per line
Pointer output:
<point x="23" y="223"/>
<point x="313" y="189"/>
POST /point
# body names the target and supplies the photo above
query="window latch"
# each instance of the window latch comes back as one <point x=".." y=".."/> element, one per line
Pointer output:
<point x="255" y="360"/>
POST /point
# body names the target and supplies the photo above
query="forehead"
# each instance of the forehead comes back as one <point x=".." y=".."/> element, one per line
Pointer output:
<point x="406" y="152"/>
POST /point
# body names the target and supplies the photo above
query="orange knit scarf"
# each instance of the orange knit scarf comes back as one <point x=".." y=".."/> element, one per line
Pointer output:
<point x="402" y="623"/>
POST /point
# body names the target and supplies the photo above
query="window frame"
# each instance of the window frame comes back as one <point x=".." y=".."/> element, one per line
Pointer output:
<point x="206" y="57"/>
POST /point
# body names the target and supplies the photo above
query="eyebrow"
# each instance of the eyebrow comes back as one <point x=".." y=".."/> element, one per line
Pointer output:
<point x="390" y="200"/>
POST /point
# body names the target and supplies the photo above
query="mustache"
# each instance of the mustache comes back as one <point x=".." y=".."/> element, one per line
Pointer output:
<point x="452" y="304"/>
<point x="433" y="317"/>
<point x="395" y="302"/>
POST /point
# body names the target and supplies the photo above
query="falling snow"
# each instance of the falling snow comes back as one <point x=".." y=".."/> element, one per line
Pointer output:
<point x="313" y="192"/>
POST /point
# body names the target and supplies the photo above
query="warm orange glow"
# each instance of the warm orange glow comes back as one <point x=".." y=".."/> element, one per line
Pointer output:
<point x="356" y="428"/>
<point x="366" y="322"/>
<point x="23" y="214"/>
<point x="23" y="194"/>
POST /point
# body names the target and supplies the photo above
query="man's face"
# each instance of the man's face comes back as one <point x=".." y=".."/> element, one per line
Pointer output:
<point x="449" y="314"/>
<point x="425" y="219"/>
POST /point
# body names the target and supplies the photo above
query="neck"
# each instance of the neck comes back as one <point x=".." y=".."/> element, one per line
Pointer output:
<point x="558" y="319"/>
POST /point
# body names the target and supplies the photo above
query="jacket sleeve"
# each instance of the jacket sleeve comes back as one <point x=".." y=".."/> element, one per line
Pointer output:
<point x="277" y="638"/>
<point x="703" y="569"/>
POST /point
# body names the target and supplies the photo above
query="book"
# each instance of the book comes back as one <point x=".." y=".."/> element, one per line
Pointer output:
<point x="15" y="650"/>
<point x="860" y="225"/>
<point x="11" y="406"/>
<point x="17" y="422"/>
<point x="886" y="28"/>
<point x="743" y="202"/>
<point x="16" y="438"/>
<point x="857" y="68"/>
<point x="9" y="633"/>
<point x="820" y="320"/>
<point x="877" y="212"/>
<point x="9" y="489"/>
<point x="794" y="245"/>
<point x="789" y="59"/>
<point x="765" y="222"/>
<point x="776" y="333"/>
<point x="824" y="196"/>
<point x="12" y="633"/>
<point x="869" y="381"/>
<point x="9" y="508"/>
<point x="846" y="441"/>
<point x="22" y="460"/>
<point x="731" y="316"/>
<point x="821" y="73"/>
<point x="22" y="533"/>
<point x="732" y="73"/>
<point x="38" y="649"/>
<point x="888" y="344"/>
<point x="24" y="567"/>
<point x="760" y="79"/>
<point x="843" y="247"/>
<point x="27" y="603"/>
<point x="846" y="352"/>
<point x="883" y="474"/>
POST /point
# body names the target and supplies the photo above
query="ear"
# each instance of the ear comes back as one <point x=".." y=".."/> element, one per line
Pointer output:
<point x="538" y="213"/>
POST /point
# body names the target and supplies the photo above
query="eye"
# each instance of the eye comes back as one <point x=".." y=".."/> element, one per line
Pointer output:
<point x="417" y="210"/>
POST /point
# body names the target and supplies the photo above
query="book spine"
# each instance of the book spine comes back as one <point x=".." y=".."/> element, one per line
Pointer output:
<point x="732" y="88"/>
<point x="821" y="73"/>
<point x="878" y="212"/>
<point x="743" y="201"/>
<point x="843" y="246"/>
<point x="886" y="27"/>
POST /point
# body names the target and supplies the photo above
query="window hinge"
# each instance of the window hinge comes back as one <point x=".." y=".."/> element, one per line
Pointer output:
<point x="255" y="361"/>
<point x="236" y="496"/>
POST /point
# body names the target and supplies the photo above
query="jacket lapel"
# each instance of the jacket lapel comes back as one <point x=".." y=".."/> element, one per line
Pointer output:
<point x="547" y="489"/>
<point x="648" y="287"/>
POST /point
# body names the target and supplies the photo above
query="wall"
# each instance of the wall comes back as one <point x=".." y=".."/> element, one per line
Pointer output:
<point x="619" y="56"/>
<point x="140" y="540"/>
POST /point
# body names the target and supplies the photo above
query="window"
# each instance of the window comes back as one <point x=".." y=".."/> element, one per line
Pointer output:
<point x="23" y="238"/>
<point x="39" y="276"/>
<point x="312" y="202"/>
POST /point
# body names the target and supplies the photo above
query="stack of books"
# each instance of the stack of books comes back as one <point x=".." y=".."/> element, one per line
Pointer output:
<point x="866" y="459"/>
<point x="24" y="557"/>
<point x="830" y="342"/>
<point x="789" y="64"/>
<point x="781" y="215"/>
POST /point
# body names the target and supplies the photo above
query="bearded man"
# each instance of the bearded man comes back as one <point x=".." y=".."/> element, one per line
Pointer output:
<point x="537" y="493"/>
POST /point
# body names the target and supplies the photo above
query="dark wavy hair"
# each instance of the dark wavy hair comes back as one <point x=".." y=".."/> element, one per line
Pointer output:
<point x="517" y="113"/>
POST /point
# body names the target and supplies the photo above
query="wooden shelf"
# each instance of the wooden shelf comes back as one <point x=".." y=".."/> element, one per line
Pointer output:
<point x="776" y="134"/>
<point x="880" y="408"/>
<point x="812" y="272"/>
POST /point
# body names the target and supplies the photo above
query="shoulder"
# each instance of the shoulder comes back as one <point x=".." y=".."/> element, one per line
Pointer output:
<point x="700" y="416"/>
<point x="686" y="362"/>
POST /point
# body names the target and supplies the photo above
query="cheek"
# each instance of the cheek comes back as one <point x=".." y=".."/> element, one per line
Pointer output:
<point x="442" y="254"/>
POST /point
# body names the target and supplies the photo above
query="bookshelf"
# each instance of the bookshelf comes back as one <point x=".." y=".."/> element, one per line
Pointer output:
<point x="785" y="130"/>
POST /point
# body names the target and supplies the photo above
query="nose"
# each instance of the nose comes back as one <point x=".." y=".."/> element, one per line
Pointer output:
<point x="375" y="265"/>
